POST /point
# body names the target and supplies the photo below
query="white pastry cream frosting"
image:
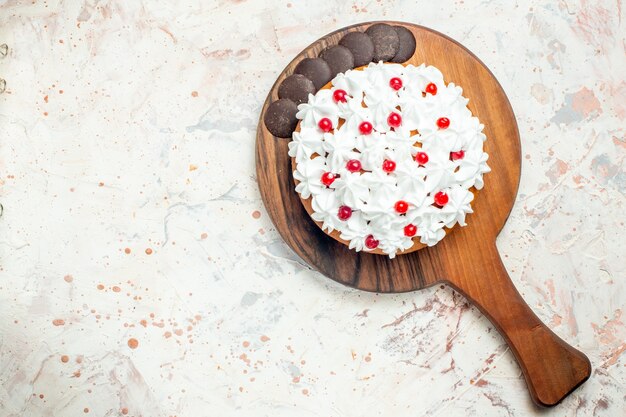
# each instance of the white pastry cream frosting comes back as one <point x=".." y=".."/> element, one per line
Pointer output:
<point x="384" y="181"/>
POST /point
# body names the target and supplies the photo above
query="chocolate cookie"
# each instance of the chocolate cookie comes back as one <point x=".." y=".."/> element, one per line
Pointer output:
<point x="296" y="88"/>
<point x="280" y="118"/>
<point x="386" y="41"/>
<point x="360" y="45"/>
<point x="339" y="59"/>
<point x="407" y="45"/>
<point x="316" y="70"/>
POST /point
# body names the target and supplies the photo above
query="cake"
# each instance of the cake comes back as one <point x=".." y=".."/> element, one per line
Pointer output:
<point x="386" y="157"/>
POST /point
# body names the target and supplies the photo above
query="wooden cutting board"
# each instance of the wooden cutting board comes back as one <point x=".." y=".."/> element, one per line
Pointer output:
<point x="467" y="258"/>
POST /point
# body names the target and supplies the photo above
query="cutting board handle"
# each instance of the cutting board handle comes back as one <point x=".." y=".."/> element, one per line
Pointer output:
<point x="552" y="368"/>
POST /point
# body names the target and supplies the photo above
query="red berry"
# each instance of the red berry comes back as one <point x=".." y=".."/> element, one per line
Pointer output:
<point x="395" y="83"/>
<point x="457" y="155"/>
<point x="344" y="213"/>
<point x="389" y="165"/>
<point x="421" y="158"/>
<point x="402" y="206"/>
<point x="353" y="165"/>
<point x="325" y="124"/>
<point x="394" y="119"/>
<point x="365" y="128"/>
<point x="370" y="242"/>
<point x="410" y="230"/>
<point x="441" y="199"/>
<point x="431" y="88"/>
<point x="340" y="96"/>
<point x="443" y="122"/>
<point x="328" y="178"/>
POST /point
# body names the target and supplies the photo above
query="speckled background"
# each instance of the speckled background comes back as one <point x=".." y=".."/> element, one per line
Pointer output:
<point x="140" y="274"/>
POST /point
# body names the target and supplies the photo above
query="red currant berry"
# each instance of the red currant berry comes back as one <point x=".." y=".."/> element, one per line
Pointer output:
<point x="340" y="96"/>
<point x="457" y="155"/>
<point x="365" y="128"/>
<point x="410" y="230"/>
<point x="389" y="165"/>
<point x="394" y="119"/>
<point x="353" y="165"/>
<point x="325" y="124"/>
<point x="328" y="178"/>
<point x="402" y="206"/>
<point x="421" y="158"/>
<point x="441" y="199"/>
<point x="395" y="83"/>
<point x="431" y="88"/>
<point x="443" y="122"/>
<point x="344" y="213"/>
<point x="370" y="242"/>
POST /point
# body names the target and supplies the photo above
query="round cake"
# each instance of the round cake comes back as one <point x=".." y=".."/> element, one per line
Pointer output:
<point x="386" y="157"/>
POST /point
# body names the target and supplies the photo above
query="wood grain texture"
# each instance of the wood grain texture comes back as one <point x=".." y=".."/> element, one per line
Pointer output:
<point x="467" y="259"/>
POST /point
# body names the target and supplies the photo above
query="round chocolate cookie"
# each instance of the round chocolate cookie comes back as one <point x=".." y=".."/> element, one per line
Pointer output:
<point x="407" y="45"/>
<point x="316" y="70"/>
<point x="280" y="118"/>
<point x="360" y="45"/>
<point x="386" y="41"/>
<point x="296" y="88"/>
<point x="339" y="59"/>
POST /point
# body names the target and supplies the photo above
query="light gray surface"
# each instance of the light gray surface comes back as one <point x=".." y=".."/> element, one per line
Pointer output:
<point x="150" y="145"/>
